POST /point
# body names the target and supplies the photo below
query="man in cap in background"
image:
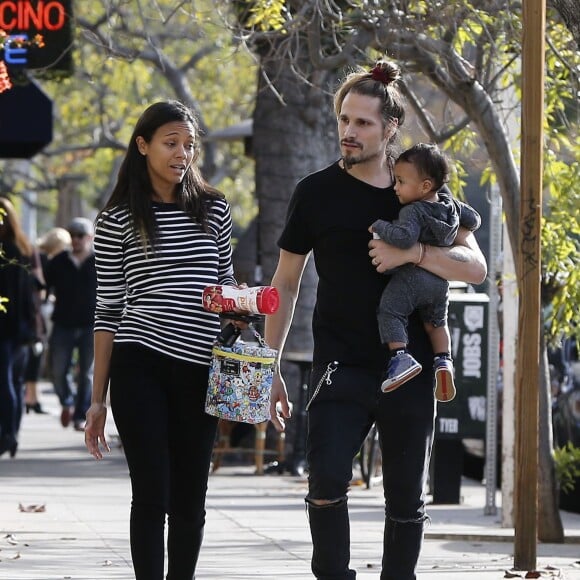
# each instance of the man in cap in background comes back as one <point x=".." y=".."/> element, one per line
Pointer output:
<point x="72" y="279"/>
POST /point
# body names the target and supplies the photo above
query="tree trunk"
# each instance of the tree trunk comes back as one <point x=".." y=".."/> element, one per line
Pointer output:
<point x="550" y="527"/>
<point x="569" y="12"/>
<point x="69" y="200"/>
<point x="294" y="135"/>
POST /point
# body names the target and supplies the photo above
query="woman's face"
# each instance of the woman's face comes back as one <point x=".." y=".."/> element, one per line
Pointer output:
<point x="169" y="154"/>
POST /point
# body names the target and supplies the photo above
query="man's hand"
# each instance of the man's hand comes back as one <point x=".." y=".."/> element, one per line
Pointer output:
<point x="386" y="257"/>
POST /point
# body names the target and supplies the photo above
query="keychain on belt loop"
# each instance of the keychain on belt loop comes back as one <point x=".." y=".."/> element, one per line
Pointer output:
<point x="325" y="378"/>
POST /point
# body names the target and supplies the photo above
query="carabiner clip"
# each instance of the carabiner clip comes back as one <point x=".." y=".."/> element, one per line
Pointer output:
<point x="329" y="370"/>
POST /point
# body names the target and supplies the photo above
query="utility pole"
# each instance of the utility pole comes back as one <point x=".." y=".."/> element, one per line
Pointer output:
<point x="528" y="274"/>
<point x="493" y="345"/>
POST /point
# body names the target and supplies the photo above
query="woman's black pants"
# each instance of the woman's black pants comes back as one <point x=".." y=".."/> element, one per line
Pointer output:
<point x="158" y="407"/>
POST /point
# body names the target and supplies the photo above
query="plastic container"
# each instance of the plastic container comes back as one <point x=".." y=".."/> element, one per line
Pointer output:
<point x="255" y="300"/>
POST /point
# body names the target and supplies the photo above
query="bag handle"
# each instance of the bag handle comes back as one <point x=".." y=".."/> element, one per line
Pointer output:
<point x="258" y="336"/>
<point x="230" y="333"/>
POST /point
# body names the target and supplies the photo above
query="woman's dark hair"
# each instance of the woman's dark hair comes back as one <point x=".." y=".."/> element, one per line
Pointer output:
<point x="134" y="188"/>
<point x="430" y="163"/>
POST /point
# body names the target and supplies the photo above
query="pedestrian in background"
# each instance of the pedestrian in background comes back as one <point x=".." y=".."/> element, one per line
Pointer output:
<point x="71" y="280"/>
<point x="19" y="272"/>
<point x="163" y="236"/>
<point x="55" y="241"/>
<point x="329" y="215"/>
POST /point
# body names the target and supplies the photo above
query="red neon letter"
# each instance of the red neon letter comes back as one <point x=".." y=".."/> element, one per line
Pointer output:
<point x="53" y="22"/>
<point x="24" y="16"/>
<point x="27" y="15"/>
<point x="6" y="22"/>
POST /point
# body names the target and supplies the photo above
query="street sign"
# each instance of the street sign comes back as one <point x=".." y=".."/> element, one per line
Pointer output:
<point x="25" y="121"/>
<point x="465" y="416"/>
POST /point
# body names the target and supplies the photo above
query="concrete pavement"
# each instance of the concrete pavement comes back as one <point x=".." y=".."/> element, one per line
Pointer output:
<point x="65" y="516"/>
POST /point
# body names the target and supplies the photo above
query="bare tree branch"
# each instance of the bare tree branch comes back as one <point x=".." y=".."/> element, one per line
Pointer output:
<point x="425" y="121"/>
<point x="174" y="74"/>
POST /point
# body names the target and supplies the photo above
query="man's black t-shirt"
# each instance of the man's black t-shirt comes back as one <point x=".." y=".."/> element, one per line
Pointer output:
<point x="75" y="289"/>
<point x="330" y="213"/>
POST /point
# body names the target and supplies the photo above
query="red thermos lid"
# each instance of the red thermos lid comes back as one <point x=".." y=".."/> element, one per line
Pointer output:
<point x="268" y="300"/>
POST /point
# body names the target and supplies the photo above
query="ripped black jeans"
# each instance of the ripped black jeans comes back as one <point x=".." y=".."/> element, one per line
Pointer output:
<point x="339" y="418"/>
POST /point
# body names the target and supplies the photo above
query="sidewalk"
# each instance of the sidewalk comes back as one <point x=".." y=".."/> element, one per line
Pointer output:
<point x="256" y="525"/>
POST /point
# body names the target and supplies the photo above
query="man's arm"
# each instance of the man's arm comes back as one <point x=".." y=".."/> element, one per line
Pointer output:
<point x="463" y="261"/>
<point x="286" y="279"/>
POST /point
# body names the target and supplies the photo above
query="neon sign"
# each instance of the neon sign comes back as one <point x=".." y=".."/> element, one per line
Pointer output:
<point x="13" y="53"/>
<point x="22" y="21"/>
<point x="24" y="16"/>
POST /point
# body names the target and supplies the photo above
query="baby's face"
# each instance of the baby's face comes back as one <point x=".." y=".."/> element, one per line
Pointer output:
<point x="409" y="184"/>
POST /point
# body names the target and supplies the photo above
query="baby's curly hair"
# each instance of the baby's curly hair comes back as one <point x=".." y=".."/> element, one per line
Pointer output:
<point x="429" y="161"/>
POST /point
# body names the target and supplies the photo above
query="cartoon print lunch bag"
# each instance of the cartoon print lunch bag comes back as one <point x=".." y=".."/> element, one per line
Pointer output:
<point x="240" y="381"/>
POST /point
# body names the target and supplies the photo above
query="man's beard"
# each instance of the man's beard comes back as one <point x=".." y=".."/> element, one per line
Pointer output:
<point x="350" y="160"/>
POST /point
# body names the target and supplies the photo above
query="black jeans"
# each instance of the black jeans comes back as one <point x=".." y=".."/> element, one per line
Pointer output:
<point x="158" y="406"/>
<point x="339" y="418"/>
<point x="8" y="390"/>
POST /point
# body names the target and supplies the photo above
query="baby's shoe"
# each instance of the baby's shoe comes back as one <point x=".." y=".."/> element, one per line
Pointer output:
<point x="444" y="384"/>
<point x="402" y="368"/>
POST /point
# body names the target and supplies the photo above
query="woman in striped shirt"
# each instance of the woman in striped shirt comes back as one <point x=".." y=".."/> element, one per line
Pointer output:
<point x="163" y="236"/>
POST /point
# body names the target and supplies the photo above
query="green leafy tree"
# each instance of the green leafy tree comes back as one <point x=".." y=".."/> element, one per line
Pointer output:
<point x="567" y="466"/>
<point x="127" y="55"/>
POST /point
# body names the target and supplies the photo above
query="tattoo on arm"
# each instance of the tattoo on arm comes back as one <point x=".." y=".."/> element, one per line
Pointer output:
<point x="458" y="254"/>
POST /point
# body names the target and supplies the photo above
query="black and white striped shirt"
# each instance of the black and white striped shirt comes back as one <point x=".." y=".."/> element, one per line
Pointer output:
<point x="154" y="299"/>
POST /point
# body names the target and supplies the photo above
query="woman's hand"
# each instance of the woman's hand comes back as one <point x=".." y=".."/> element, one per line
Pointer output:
<point x="279" y="404"/>
<point x="241" y="324"/>
<point x="95" y="430"/>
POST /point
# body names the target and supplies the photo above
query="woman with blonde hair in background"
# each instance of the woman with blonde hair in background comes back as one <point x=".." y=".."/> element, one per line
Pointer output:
<point x="18" y="321"/>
